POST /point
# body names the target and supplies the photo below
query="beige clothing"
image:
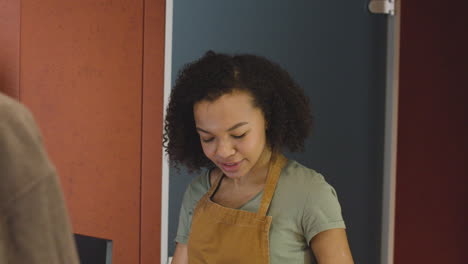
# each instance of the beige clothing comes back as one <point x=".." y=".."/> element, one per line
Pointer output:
<point x="34" y="226"/>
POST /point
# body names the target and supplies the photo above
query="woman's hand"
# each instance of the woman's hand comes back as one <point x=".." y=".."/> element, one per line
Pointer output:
<point x="180" y="254"/>
<point x="331" y="247"/>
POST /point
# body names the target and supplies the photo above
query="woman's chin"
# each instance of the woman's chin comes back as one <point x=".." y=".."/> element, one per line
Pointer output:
<point x="231" y="174"/>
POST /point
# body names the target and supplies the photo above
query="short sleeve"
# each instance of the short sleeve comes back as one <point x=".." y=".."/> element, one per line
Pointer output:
<point x="192" y="195"/>
<point x="185" y="218"/>
<point x="322" y="210"/>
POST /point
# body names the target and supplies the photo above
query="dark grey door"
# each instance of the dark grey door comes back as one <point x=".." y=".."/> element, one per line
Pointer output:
<point x="336" y="50"/>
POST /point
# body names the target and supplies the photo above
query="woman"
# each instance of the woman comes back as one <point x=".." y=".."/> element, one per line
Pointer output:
<point x="234" y="115"/>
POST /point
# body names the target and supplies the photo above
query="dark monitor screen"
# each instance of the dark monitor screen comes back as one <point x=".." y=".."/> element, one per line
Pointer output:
<point x="93" y="250"/>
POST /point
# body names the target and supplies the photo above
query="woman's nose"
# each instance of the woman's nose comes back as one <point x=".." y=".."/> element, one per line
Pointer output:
<point x="225" y="150"/>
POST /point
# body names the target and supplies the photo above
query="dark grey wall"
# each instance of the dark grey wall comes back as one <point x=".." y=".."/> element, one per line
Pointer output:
<point x="336" y="51"/>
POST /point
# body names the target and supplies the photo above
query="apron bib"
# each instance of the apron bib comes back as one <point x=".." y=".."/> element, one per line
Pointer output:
<point x="221" y="235"/>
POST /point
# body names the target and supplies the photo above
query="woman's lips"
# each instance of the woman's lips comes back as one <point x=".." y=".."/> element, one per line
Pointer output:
<point x="231" y="166"/>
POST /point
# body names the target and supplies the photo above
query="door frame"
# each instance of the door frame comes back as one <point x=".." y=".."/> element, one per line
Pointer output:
<point x="391" y="136"/>
<point x="165" y="160"/>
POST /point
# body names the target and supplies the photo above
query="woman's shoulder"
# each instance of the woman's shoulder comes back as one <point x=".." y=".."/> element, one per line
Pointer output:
<point x="297" y="173"/>
<point x="305" y="188"/>
<point x="195" y="190"/>
<point x="297" y="179"/>
<point x="201" y="182"/>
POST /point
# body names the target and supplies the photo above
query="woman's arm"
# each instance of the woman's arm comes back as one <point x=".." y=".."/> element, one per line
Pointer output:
<point x="331" y="247"/>
<point x="180" y="254"/>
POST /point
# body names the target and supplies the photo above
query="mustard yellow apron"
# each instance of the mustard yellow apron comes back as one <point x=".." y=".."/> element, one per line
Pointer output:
<point x="221" y="235"/>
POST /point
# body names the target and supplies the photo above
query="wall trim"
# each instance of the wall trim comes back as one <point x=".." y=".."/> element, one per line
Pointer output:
<point x="391" y="130"/>
<point x="165" y="160"/>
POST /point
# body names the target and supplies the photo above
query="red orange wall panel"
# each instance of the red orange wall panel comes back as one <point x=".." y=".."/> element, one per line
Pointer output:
<point x="81" y="75"/>
<point x="9" y="47"/>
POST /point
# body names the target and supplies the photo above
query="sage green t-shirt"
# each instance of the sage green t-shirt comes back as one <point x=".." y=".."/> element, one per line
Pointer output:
<point x="303" y="205"/>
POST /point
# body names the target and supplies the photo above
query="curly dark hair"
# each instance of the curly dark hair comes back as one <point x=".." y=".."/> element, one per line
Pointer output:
<point x="284" y="105"/>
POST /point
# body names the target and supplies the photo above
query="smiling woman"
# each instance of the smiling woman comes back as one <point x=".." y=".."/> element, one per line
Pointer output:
<point x="233" y="134"/>
<point x="234" y="115"/>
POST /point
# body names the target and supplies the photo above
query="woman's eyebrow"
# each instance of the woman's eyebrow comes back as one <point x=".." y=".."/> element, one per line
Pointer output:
<point x="237" y="125"/>
<point x="204" y="131"/>
<point x="230" y="129"/>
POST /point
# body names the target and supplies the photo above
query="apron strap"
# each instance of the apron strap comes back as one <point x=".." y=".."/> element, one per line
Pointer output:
<point x="278" y="161"/>
<point x="215" y="184"/>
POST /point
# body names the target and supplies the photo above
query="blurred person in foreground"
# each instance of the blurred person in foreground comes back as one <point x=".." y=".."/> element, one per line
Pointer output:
<point x="34" y="225"/>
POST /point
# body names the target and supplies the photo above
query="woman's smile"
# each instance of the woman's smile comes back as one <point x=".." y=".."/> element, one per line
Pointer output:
<point x="230" y="166"/>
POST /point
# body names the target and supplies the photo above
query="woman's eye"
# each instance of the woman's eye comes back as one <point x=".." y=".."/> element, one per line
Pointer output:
<point x="207" y="140"/>
<point x="241" y="136"/>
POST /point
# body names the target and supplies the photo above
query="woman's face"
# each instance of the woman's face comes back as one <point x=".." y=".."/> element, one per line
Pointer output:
<point x="232" y="133"/>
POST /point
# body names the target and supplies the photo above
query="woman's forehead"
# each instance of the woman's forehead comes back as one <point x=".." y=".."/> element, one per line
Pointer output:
<point x="225" y="111"/>
<point x="227" y="104"/>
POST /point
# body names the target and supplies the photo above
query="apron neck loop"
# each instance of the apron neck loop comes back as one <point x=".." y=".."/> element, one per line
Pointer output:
<point x="277" y="162"/>
<point x="215" y="185"/>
